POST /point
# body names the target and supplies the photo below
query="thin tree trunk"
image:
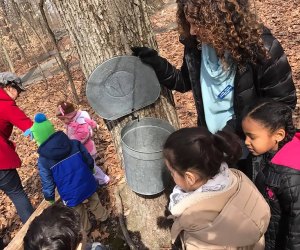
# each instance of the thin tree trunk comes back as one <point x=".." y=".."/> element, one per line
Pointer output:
<point x="61" y="60"/>
<point x="7" y="57"/>
<point x="14" y="37"/>
<point x="31" y="27"/>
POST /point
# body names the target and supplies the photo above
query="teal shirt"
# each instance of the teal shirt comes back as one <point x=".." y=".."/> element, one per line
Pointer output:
<point x="217" y="85"/>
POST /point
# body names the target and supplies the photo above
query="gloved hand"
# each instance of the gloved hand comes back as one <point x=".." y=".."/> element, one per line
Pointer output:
<point x="150" y="56"/>
<point x="147" y="55"/>
<point x="29" y="133"/>
<point x="51" y="202"/>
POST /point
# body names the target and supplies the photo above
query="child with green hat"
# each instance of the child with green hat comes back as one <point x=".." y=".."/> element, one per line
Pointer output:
<point x="66" y="164"/>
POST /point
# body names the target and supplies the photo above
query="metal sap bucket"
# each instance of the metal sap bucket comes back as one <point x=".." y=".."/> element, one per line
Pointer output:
<point x="142" y="144"/>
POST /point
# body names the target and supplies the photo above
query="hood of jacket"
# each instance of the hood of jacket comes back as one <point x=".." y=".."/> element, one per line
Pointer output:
<point x="288" y="155"/>
<point x="58" y="146"/>
<point x="237" y="216"/>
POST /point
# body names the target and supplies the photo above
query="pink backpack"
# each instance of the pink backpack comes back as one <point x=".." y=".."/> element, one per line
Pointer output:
<point x="81" y="132"/>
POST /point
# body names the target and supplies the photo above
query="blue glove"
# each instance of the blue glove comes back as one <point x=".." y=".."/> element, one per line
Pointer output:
<point x="28" y="132"/>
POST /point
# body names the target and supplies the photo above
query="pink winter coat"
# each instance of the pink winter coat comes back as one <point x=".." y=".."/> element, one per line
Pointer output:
<point x="10" y="115"/>
<point x="81" y="129"/>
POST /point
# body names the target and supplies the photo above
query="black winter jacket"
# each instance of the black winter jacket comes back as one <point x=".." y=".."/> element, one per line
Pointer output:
<point x="271" y="78"/>
<point x="279" y="182"/>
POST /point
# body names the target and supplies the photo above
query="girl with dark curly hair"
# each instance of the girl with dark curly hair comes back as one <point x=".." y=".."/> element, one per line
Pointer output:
<point x="230" y="60"/>
<point x="270" y="132"/>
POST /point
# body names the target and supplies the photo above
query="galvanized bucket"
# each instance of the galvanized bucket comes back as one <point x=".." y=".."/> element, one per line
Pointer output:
<point x="142" y="144"/>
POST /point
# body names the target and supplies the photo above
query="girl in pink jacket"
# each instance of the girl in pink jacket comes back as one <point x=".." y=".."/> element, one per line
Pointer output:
<point x="79" y="126"/>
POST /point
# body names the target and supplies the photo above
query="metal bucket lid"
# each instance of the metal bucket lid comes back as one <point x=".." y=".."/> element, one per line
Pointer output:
<point x="120" y="86"/>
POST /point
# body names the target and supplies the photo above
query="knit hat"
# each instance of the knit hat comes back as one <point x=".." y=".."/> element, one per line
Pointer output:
<point x="42" y="128"/>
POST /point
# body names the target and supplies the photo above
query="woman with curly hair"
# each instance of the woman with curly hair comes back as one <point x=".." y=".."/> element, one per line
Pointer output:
<point x="230" y="60"/>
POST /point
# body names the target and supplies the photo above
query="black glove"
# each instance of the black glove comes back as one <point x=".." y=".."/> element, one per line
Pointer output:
<point x="161" y="66"/>
<point x="147" y="55"/>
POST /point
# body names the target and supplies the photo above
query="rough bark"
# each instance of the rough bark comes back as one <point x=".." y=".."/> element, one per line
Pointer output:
<point x="104" y="29"/>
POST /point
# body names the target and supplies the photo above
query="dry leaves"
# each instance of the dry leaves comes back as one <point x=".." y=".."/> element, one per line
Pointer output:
<point x="281" y="16"/>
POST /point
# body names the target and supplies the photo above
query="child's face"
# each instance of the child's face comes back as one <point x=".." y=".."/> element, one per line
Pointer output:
<point x="65" y="120"/>
<point x="259" y="139"/>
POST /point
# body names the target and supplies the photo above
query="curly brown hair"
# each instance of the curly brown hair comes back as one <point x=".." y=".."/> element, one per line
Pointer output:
<point x="230" y="24"/>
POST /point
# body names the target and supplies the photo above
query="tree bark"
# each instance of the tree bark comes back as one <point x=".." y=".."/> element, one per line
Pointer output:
<point x="101" y="30"/>
<point x="7" y="57"/>
<point x="61" y="60"/>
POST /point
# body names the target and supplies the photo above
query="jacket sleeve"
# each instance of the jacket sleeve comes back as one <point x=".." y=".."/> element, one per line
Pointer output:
<point x="18" y="118"/>
<point x="172" y="78"/>
<point x="88" y="159"/>
<point x="289" y="198"/>
<point x="276" y="80"/>
<point x="48" y="183"/>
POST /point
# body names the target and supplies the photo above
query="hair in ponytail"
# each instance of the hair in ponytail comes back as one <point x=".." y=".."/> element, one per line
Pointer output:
<point x="199" y="150"/>
<point x="273" y="115"/>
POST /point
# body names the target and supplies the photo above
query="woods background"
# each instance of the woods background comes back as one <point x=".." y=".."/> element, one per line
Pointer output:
<point x="27" y="49"/>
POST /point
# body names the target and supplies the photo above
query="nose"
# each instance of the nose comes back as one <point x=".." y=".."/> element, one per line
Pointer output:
<point x="247" y="141"/>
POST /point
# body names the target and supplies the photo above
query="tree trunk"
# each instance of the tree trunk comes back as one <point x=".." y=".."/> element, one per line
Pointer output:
<point x="104" y="29"/>
<point x="7" y="57"/>
<point x="30" y="25"/>
<point x="61" y="60"/>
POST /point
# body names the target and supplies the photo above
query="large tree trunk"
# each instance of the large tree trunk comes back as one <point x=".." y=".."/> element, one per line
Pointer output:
<point x="101" y="30"/>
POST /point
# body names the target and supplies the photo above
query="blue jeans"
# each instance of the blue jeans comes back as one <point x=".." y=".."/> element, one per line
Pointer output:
<point x="11" y="184"/>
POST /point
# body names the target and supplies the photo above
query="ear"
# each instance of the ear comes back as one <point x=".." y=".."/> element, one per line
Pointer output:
<point x="279" y="134"/>
<point x="190" y="178"/>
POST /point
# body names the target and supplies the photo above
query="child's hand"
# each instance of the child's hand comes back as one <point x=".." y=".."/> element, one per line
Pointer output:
<point x="28" y="133"/>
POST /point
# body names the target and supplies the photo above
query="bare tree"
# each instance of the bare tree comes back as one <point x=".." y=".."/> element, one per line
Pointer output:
<point x="61" y="60"/>
<point x="6" y="54"/>
<point x="10" y="31"/>
<point x="101" y="30"/>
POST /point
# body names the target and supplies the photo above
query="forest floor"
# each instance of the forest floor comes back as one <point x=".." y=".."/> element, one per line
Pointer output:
<point x="282" y="17"/>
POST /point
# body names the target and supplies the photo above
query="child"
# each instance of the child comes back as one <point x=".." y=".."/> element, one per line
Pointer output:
<point x="79" y="126"/>
<point x="270" y="132"/>
<point x="66" y="164"/>
<point x="213" y="207"/>
<point x="58" y="228"/>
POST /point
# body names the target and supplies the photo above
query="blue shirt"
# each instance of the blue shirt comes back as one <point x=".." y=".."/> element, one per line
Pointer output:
<point x="217" y="83"/>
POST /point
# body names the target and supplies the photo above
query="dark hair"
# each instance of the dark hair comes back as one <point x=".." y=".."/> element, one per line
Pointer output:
<point x="57" y="228"/>
<point x="199" y="150"/>
<point x="272" y="115"/>
<point x="234" y="28"/>
<point x="66" y="107"/>
<point x="11" y="84"/>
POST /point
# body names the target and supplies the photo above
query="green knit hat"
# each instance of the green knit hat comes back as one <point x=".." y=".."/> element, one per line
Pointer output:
<point x="42" y="128"/>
